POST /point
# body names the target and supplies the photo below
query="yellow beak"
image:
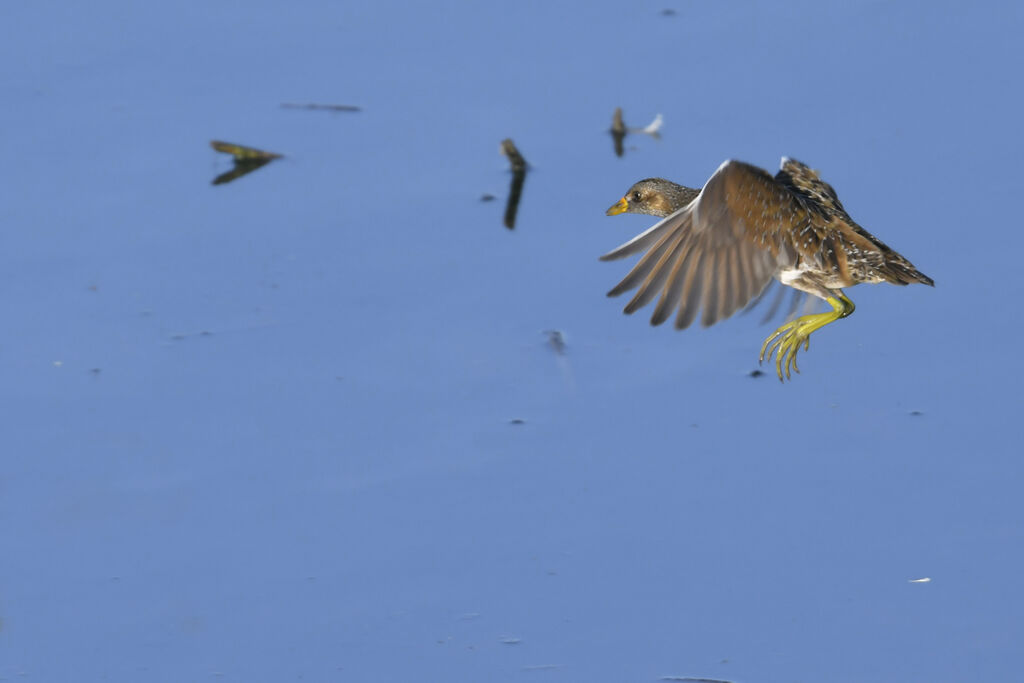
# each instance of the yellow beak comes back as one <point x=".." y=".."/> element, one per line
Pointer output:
<point x="621" y="206"/>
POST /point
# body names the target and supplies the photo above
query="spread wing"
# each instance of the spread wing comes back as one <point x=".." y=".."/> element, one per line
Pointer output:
<point x="718" y="253"/>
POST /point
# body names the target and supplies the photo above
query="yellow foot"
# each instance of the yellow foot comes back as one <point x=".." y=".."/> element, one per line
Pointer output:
<point x="786" y="341"/>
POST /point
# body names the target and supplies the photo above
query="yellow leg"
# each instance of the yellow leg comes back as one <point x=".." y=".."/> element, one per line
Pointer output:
<point x="786" y="341"/>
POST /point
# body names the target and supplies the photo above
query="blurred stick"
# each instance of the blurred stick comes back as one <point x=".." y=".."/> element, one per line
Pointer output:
<point x="240" y="168"/>
<point x="326" y="107"/>
<point x="243" y="153"/>
<point x="618" y="131"/>
<point x="247" y="160"/>
<point x="519" y="166"/>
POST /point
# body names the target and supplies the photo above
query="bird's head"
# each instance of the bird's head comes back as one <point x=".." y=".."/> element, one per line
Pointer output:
<point x="654" y="197"/>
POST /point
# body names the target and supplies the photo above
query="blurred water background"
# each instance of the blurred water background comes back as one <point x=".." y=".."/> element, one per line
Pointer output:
<point x="311" y="424"/>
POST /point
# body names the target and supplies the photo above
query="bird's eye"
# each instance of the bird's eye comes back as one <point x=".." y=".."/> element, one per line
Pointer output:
<point x="636" y="196"/>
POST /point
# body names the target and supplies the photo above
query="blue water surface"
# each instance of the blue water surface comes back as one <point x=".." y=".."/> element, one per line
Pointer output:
<point x="311" y="425"/>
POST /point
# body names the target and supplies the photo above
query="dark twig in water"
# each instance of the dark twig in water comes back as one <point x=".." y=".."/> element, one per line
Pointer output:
<point x="519" y="167"/>
<point x="242" y="167"/>
<point x="618" y="131"/>
<point x="247" y="160"/>
<point x="322" y="107"/>
<point x="243" y="153"/>
<point x="509" y="149"/>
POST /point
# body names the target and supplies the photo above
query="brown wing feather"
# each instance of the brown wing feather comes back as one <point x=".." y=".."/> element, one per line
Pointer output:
<point x="716" y="254"/>
<point x="659" y="272"/>
<point x="672" y="292"/>
<point x="647" y="262"/>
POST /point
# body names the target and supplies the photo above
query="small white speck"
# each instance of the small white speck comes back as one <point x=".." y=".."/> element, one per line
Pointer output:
<point x="921" y="580"/>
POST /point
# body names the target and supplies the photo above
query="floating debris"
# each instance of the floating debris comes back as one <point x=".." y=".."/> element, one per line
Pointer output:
<point x="182" y="336"/>
<point x="756" y="373"/>
<point x="618" y="131"/>
<point x="241" y="168"/>
<point x="321" y="107"/>
<point x="556" y="340"/>
<point x="653" y="128"/>
<point x="519" y="167"/>
<point x="668" y="12"/>
<point x="243" y="153"/>
<point x="487" y="197"/>
<point x="247" y="160"/>
<point x="921" y="580"/>
<point x="916" y="413"/>
<point x="509" y="640"/>
<point x="517" y="421"/>
<point x="509" y="149"/>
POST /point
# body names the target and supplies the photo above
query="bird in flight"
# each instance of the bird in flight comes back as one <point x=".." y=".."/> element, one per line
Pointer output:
<point x="717" y="248"/>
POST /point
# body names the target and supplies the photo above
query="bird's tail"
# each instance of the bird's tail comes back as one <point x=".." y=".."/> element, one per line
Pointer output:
<point x="900" y="271"/>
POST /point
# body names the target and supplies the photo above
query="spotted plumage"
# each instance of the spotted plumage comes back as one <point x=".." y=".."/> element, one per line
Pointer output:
<point x="721" y="249"/>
